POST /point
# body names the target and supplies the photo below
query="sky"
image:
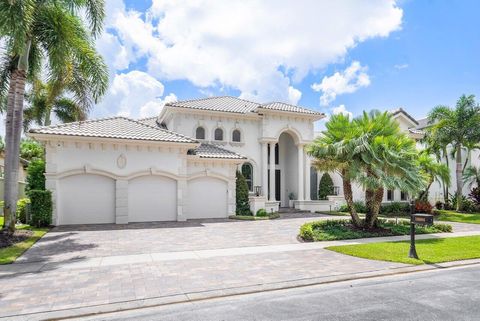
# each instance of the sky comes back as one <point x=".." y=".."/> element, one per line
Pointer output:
<point x="341" y="56"/>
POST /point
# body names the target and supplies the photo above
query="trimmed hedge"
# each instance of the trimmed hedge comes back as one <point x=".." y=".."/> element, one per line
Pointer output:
<point x="41" y="208"/>
<point x="35" y="175"/>
<point x="243" y="206"/>
<point x="22" y="207"/>
<point x="262" y="212"/>
<point x="325" y="187"/>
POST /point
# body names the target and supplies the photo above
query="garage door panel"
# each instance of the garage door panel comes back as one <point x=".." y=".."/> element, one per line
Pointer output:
<point x="86" y="199"/>
<point x="207" y="198"/>
<point x="152" y="198"/>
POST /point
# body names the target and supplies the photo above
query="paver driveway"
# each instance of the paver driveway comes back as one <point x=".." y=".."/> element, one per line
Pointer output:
<point x="87" y="241"/>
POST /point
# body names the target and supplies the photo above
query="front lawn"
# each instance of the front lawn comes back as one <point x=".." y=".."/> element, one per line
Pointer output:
<point x="10" y="253"/>
<point x="330" y="230"/>
<point x="429" y="251"/>
<point x="452" y="216"/>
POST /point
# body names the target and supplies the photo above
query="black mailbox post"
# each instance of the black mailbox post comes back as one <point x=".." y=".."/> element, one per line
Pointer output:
<point x="420" y="219"/>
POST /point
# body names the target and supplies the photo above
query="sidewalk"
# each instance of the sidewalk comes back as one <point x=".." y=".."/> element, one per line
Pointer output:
<point x="37" y="290"/>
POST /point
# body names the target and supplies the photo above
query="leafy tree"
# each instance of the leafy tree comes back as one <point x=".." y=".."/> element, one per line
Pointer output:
<point x="432" y="170"/>
<point x="457" y="128"/>
<point x="31" y="150"/>
<point x="53" y="34"/>
<point x="243" y="206"/>
<point x="325" y="187"/>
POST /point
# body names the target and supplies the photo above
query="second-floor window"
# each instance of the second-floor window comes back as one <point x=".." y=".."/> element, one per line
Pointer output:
<point x="200" y="133"/>
<point x="236" y="136"/>
<point x="218" y="134"/>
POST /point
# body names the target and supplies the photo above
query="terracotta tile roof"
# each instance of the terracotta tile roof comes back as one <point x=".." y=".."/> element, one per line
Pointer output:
<point x="214" y="151"/>
<point x="114" y="127"/>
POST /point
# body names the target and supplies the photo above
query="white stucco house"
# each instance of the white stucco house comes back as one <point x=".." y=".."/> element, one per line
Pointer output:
<point x="179" y="165"/>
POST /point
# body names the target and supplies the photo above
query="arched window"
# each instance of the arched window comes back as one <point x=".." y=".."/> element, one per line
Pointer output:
<point x="200" y="133"/>
<point x="247" y="172"/>
<point x="236" y="135"/>
<point x="218" y="134"/>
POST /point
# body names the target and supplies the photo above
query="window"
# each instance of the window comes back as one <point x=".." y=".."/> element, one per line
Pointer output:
<point x="236" y="136"/>
<point x="247" y="172"/>
<point x="403" y="196"/>
<point x="276" y="154"/>
<point x="218" y="134"/>
<point x="200" y="133"/>
<point x="390" y="195"/>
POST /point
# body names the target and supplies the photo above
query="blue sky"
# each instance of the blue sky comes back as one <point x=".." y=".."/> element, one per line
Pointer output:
<point x="370" y="55"/>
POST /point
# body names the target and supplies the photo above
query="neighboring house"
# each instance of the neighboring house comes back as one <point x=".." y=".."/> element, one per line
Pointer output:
<point x="180" y="165"/>
<point x="22" y="175"/>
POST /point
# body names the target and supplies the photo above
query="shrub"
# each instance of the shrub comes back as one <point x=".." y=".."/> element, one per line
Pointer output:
<point x="40" y="207"/>
<point x="359" y="207"/>
<point x="306" y="232"/>
<point x="439" y="205"/>
<point x="475" y="195"/>
<point x="35" y="175"/>
<point x="325" y="187"/>
<point x="423" y="207"/>
<point x="262" y="212"/>
<point x="22" y="207"/>
<point x="243" y="207"/>
<point x="395" y="208"/>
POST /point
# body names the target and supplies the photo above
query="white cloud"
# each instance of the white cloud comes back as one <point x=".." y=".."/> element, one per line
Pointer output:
<point x="261" y="48"/>
<point x="348" y="81"/>
<point x="401" y="66"/>
<point x="342" y="110"/>
<point x="134" y="94"/>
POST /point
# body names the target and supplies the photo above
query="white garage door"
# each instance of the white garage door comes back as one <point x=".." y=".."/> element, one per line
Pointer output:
<point x="207" y="198"/>
<point x="152" y="198"/>
<point x="86" y="199"/>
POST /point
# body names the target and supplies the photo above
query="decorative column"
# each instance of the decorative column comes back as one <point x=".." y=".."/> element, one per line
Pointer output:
<point x="272" y="173"/>
<point x="307" y="177"/>
<point x="300" y="172"/>
<point x="264" y="170"/>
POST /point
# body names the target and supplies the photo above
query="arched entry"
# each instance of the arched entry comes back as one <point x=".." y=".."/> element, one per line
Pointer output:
<point x="287" y="168"/>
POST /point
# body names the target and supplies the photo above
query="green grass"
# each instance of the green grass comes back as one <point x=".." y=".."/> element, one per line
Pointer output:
<point x="341" y="229"/>
<point x="429" y="251"/>
<point x="254" y="218"/>
<point x="452" y="216"/>
<point x="10" y="254"/>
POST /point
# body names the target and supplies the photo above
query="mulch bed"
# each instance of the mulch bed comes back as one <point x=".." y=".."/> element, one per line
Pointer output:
<point x="7" y="239"/>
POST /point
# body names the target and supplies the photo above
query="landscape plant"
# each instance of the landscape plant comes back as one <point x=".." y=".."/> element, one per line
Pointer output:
<point x="325" y="187"/>
<point x="243" y="206"/>
<point x="40" y="207"/>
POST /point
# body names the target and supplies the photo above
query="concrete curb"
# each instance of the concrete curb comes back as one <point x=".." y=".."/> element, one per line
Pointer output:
<point x="230" y="292"/>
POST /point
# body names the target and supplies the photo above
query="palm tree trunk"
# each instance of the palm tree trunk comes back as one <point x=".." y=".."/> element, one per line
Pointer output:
<point x="458" y="170"/>
<point x="376" y="203"/>
<point x="8" y="152"/>
<point x="424" y="194"/>
<point x="369" y="195"/>
<point x="348" y="194"/>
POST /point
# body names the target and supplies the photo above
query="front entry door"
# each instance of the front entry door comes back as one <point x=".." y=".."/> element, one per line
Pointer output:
<point x="277" y="184"/>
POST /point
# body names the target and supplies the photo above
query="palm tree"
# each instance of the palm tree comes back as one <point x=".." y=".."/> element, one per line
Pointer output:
<point x="457" y="128"/>
<point x="332" y="152"/>
<point x="388" y="161"/>
<point x="34" y="30"/>
<point x="47" y="98"/>
<point x="439" y="149"/>
<point x="432" y="170"/>
<point x="471" y="175"/>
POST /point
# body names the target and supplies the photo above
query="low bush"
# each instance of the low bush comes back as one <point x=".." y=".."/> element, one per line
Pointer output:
<point x="40" y="207"/>
<point x="262" y="212"/>
<point x="359" y="207"/>
<point x="395" y="208"/>
<point x="423" y="207"/>
<point x="329" y="230"/>
<point x="22" y="207"/>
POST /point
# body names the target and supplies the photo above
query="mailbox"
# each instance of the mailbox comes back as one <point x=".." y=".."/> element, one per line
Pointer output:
<point x="422" y="219"/>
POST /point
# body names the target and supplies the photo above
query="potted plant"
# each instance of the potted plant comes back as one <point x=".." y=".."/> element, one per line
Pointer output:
<point x="291" y="199"/>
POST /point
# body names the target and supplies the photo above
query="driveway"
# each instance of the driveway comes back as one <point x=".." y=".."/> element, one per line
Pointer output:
<point x="88" y="241"/>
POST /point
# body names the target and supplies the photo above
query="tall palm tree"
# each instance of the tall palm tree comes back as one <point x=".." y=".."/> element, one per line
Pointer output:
<point x="50" y="98"/>
<point x="471" y="175"/>
<point x="433" y="171"/>
<point x="457" y="128"/>
<point x="34" y="31"/>
<point x="333" y="152"/>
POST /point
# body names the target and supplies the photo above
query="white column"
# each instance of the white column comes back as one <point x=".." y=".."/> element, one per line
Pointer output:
<point x="300" y="172"/>
<point x="264" y="170"/>
<point x="307" y="178"/>
<point x="272" y="172"/>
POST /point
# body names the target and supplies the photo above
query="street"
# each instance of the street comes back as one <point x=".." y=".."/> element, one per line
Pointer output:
<point x="449" y="294"/>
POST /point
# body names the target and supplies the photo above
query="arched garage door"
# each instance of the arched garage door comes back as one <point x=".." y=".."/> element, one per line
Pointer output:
<point x="207" y="198"/>
<point x="152" y="198"/>
<point x="86" y="199"/>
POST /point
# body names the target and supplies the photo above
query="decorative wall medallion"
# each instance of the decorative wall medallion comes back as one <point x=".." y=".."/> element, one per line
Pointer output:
<point x="121" y="161"/>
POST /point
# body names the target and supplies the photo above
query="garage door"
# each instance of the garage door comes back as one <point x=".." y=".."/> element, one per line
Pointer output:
<point x="86" y="199"/>
<point x="207" y="198"/>
<point x="152" y="198"/>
